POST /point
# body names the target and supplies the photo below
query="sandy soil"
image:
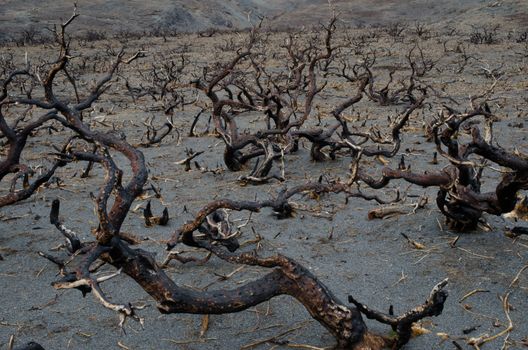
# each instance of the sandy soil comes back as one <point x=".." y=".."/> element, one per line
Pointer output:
<point x="351" y="255"/>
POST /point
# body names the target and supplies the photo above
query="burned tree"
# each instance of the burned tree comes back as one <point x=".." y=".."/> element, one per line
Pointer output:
<point x="15" y="131"/>
<point x="30" y="91"/>
<point x="236" y="91"/>
<point x="459" y="196"/>
<point x="287" y="277"/>
<point x="284" y="101"/>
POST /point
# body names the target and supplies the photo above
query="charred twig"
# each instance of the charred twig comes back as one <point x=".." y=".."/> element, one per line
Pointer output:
<point x="190" y="156"/>
<point x="89" y="166"/>
<point x="184" y="259"/>
<point x="151" y="220"/>
<point x="195" y="121"/>
<point x="153" y="134"/>
<point x="402" y="324"/>
<point x="72" y="241"/>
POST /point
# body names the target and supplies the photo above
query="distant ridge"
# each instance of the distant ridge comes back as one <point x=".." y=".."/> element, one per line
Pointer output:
<point x="113" y="16"/>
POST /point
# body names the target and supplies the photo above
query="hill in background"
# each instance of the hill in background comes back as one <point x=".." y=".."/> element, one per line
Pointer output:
<point x="114" y="16"/>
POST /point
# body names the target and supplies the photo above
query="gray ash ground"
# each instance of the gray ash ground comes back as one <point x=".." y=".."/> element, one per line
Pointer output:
<point x="350" y="254"/>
